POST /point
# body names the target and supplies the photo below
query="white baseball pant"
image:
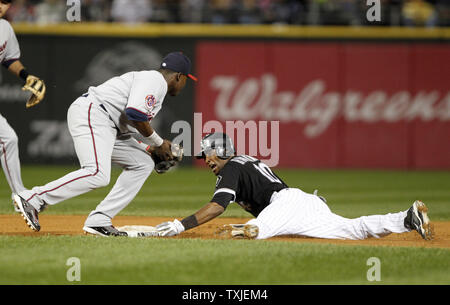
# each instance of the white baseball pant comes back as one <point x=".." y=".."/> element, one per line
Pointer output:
<point x="96" y="145"/>
<point x="294" y="212"/>
<point x="9" y="154"/>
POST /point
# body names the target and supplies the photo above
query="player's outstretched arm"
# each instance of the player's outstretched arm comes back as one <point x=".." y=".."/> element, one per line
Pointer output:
<point x="205" y="214"/>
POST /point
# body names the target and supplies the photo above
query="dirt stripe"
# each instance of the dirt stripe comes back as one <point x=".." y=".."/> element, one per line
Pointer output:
<point x="73" y="224"/>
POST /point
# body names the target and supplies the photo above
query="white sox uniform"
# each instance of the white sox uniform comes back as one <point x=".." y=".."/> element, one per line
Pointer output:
<point x="280" y="210"/>
<point x="9" y="150"/>
<point x="98" y="125"/>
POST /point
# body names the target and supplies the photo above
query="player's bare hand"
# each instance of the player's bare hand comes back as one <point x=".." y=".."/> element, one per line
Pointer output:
<point x="164" y="152"/>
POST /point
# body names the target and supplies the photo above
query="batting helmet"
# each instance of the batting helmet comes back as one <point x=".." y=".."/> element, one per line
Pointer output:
<point x="217" y="142"/>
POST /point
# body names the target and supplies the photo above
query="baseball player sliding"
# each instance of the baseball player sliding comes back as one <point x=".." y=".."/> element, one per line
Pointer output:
<point x="280" y="210"/>
<point x="102" y="123"/>
<point x="9" y="57"/>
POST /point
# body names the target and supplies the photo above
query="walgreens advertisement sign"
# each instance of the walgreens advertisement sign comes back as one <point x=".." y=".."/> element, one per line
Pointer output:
<point x="330" y="105"/>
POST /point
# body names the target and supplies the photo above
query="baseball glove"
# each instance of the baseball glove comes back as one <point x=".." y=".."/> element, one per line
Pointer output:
<point x="37" y="87"/>
<point x="162" y="166"/>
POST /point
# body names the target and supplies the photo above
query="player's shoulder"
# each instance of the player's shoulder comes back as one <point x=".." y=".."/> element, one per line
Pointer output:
<point x="231" y="166"/>
<point x="4" y="24"/>
<point x="152" y="75"/>
<point x="151" y="78"/>
<point x="242" y="159"/>
<point x="238" y="163"/>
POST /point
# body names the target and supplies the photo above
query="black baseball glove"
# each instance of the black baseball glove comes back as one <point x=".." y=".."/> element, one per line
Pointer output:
<point x="162" y="166"/>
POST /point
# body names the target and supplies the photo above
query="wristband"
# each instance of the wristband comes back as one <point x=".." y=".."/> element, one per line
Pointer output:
<point x="189" y="222"/>
<point x="23" y="74"/>
<point x="155" y="139"/>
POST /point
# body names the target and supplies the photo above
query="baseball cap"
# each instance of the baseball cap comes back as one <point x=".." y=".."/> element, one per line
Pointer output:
<point x="178" y="62"/>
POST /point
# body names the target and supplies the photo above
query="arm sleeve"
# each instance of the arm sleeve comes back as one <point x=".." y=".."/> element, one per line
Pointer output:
<point x="227" y="185"/>
<point x="136" y="115"/>
<point x="12" y="49"/>
<point x="146" y="96"/>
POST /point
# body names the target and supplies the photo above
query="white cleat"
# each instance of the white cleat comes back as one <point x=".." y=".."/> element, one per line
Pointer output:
<point x="16" y="207"/>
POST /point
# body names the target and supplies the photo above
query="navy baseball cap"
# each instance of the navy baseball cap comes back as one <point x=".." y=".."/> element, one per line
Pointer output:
<point x="178" y="62"/>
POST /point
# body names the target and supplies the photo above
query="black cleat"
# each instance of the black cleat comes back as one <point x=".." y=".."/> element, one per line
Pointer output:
<point x="29" y="213"/>
<point x="417" y="219"/>
<point x="104" y="231"/>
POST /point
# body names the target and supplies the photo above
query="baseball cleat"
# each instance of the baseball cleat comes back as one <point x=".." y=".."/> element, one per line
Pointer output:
<point x="16" y="207"/>
<point x="417" y="219"/>
<point x="29" y="213"/>
<point x="238" y="231"/>
<point x="104" y="231"/>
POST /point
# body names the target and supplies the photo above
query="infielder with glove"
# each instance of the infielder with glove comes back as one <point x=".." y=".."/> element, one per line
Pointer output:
<point x="103" y="123"/>
<point x="280" y="210"/>
<point x="9" y="57"/>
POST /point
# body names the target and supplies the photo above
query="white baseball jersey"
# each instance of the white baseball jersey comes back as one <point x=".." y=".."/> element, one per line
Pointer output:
<point x="280" y="210"/>
<point x="9" y="46"/>
<point x="136" y="96"/>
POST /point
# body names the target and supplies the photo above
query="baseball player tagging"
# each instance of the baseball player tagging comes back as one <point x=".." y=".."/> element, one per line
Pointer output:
<point x="102" y="123"/>
<point x="280" y="210"/>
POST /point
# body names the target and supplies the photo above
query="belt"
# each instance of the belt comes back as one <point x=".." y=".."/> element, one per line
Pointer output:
<point x="101" y="105"/>
<point x="276" y="193"/>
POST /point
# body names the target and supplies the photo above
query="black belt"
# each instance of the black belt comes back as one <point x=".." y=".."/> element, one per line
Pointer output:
<point x="101" y="105"/>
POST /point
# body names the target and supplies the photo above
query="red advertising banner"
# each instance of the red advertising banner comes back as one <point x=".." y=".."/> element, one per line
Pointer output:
<point x="329" y="105"/>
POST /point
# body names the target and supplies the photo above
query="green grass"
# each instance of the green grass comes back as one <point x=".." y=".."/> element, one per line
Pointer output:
<point x="190" y="261"/>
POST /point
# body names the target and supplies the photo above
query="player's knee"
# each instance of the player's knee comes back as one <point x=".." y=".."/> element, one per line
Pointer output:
<point x="148" y="168"/>
<point x="103" y="179"/>
<point x="98" y="178"/>
<point x="145" y="168"/>
<point x="11" y="140"/>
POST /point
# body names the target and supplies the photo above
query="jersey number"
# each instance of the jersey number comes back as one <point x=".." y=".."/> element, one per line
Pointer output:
<point x="267" y="172"/>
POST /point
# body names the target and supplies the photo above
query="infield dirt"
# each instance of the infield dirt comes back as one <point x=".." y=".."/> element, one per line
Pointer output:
<point x="73" y="224"/>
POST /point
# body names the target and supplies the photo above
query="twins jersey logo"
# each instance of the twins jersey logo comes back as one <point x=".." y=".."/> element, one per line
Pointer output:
<point x="3" y="47"/>
<point x="150" y="101"/>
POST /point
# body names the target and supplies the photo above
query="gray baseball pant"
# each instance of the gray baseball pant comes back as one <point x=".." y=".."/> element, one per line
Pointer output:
<point x="96" y="145"/>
